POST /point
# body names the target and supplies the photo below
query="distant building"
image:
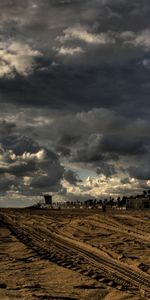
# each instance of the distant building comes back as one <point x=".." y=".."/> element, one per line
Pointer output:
<point x="138" y="203"/>
<point x="48" y="199"/>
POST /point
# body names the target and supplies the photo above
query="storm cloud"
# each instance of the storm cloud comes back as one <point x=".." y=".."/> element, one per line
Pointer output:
<point x="74" y="88"/>
<point x="31" y="172"/>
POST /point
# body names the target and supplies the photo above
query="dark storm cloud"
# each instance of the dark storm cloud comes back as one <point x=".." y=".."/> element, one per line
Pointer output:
<point x="95" y="133"/>
<point x="97" y="136"/>
<point x="71" y="177"/>
<point x="123" y="145"/>
<point x="108" y="148"/>
<point x="82" y="81"/>
<point x="26" y="167"/>
<point x="6" y="182"/>
<point x="63" y="151"/>
<point x="80" y="88"/>
<point x="6" y="127"/>
<point x="19" y="144"/>
<point x="50" y="182"/>
<point x="85" y="67"/>
<point x="124" y="89"/>
<point x="106" y="169"/>
<point x="69" y="140"/>
<point x="140" y="172"/>
<point x="19" y="168"/>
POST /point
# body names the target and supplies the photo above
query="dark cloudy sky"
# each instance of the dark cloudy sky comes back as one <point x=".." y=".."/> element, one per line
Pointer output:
<point x="74" y="98"/>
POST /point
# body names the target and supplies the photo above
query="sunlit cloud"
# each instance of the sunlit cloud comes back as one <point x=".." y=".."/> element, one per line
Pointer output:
<point x="17" y="57"/>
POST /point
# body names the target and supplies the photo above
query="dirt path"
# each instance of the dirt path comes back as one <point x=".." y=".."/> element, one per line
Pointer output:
<point x="24" y="275"/>
<point x="79" y="257"/>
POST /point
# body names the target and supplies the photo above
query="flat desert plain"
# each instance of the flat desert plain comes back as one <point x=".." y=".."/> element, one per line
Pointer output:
<point x="74" y="254"/>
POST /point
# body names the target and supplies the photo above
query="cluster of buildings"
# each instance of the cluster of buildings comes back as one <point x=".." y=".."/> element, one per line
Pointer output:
<point x="138" y="202"/>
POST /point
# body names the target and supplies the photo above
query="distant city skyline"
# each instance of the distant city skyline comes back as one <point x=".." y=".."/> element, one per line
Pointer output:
<point x="74" y="99"/>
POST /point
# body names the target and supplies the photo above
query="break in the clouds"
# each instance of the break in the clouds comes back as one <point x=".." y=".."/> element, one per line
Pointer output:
<point x="74" y="98"/>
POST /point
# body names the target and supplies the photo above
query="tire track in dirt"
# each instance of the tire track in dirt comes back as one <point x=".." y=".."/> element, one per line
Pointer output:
<point x="79" y="257"/>
<point x="116" y="226"/>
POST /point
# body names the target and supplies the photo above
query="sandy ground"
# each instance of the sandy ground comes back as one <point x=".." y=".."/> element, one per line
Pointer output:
<point x="122" y="236"/>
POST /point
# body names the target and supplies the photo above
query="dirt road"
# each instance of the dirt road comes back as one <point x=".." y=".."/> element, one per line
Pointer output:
<point x="64" y="240"/>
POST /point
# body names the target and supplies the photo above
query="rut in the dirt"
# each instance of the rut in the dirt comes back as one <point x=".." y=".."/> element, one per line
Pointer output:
<point x="70" y="255"/>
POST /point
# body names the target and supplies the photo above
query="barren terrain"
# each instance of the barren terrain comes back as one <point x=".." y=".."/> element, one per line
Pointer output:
<point x="74" y="254"/>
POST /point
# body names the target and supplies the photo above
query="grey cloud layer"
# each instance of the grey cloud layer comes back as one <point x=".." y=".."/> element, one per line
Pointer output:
<point x="78" y="74"/>
<point x="100" y="137"/>
<point x="25" y="166"/>
<point x="111" y="69"/>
